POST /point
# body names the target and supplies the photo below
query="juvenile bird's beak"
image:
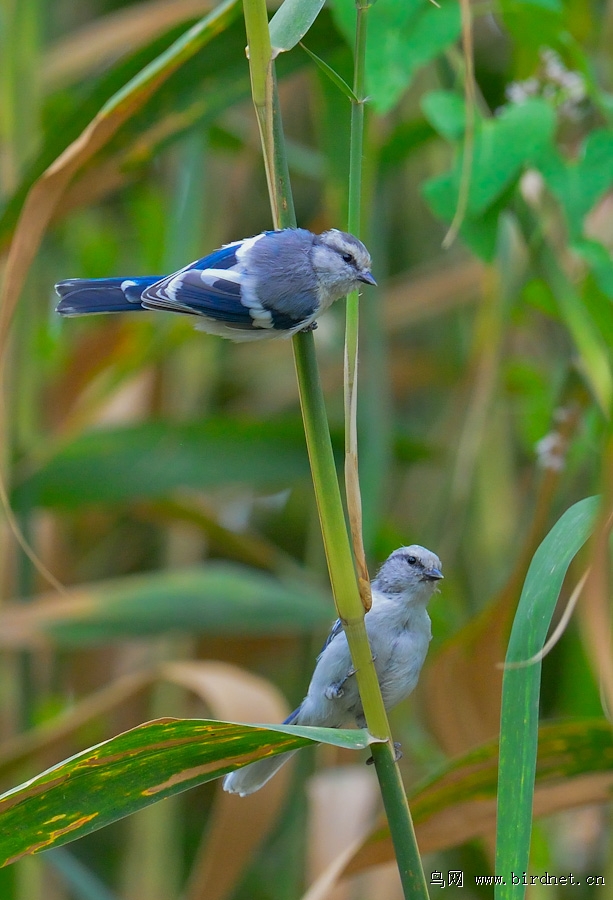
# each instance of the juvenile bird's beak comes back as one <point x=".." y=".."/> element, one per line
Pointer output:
<point x="367" y="278"/>
<point x="433" y="574"/>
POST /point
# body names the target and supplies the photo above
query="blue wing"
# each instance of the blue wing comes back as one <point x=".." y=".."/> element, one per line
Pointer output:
<point x="198" y="289"/>
<point x="84" y="296"/>
<point x="211" y="288"/>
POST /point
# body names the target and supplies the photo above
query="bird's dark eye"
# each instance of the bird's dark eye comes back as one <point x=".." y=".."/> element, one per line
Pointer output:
<point x="348" y="258"/>
<point x="411" y="560"/>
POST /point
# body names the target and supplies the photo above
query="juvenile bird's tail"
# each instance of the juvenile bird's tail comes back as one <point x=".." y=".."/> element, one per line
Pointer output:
<point x="84" y="296"/>
<point x="251" y="778"/>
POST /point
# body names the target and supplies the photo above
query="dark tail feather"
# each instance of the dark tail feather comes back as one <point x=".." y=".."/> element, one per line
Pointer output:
<point x="84" y="296"/>
<point x="291" y="719"/>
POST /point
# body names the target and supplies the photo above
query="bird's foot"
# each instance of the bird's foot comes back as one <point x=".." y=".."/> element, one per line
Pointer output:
<point x="335" y="690"/>
<point x="308" y="328"/>
<point x="397" y="754"/>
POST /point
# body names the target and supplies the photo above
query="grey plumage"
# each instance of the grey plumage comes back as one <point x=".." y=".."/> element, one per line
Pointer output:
<point x="399" y="632"/>
<point x="267" y="286"/>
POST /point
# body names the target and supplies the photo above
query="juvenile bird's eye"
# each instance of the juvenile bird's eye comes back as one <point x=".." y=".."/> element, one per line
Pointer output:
<point x="411" y="560"/>
<point x="348" y="258"/>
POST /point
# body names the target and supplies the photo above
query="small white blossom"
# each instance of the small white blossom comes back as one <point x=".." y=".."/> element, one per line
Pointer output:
<point x="551" y="451"/>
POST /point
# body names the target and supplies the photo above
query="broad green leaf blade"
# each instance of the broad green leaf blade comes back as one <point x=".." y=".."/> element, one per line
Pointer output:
<point x="137" y="768"/>
<point x="155" y="458"/>
<point x="291" y="22"/>
<point x="215" y="599"/>
<point x="521" y="688"/>
<point x="445" y="111"/>
<point x="503" y="147"/>
<point x="519" y="136"/>
<point x="479" y="233"/>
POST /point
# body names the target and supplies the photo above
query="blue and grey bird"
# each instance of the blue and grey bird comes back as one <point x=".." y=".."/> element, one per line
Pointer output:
<point x="267" y="286"/>
<point x="399" y="632"/>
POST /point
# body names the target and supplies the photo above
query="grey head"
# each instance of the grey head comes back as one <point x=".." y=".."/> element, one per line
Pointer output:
<point x="412" y="569"/>
<point x="341" y="263"/>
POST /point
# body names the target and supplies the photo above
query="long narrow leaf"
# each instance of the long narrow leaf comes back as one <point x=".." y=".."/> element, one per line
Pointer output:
<point x="458" y="803"/>
<point x="152" y="459"/>
<point x="521" y="688"/>
<point x="334" y="77"/>
<point x="137" y="768"/>
<point x="216" y="598"/>
<point x="291" y="22"/>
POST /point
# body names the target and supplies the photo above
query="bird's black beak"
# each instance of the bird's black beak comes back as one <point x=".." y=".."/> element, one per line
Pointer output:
<point x="367" y="278"/>
<point x="433" y="574"/>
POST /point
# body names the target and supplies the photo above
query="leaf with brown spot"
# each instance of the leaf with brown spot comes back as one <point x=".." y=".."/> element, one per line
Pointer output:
<point x="129" y="772"/>
<point x="240" y="823"/>
<point x="575" y="768"/>
<point x="229" y="693"/>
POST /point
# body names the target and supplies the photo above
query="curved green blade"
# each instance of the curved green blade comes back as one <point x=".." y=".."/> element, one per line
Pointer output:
<point x="521" y="688"/>
<point x="137" y="768"/>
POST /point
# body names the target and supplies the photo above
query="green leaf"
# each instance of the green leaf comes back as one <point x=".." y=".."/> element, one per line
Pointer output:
<point x="155" y="458"/>
<point x="565" y="750"/>
<point x="479" y="233"/>
<point x="217" y="598"/>
<point x="334" y="77"/>
<point x="457" y="803"/>
<point x="445" y="112"/>
<point x="503" y="147"/>
<point x="403" y="36"/>
<point x="582" y="326"/>
<point x="137" y="768"/>
<point x="578" y="185"/>
<point x="291" y="22"/>
<point x="599" y="260"/>
<point x="521" y="687"/>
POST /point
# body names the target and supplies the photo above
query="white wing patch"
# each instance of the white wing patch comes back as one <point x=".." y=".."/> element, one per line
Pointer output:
<point x="210" y="276"/>
<point x="262" y="317"/>
<point x="246" y="246"/>
<point x="170" y="289"/>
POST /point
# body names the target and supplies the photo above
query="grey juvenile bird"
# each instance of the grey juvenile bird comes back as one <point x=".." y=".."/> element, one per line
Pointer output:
<point x="399" y="632"/>
<point x="267" y="286"/>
